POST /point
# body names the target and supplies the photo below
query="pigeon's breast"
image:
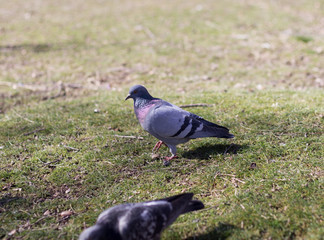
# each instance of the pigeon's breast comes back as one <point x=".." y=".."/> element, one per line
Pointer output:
<point x="143" y="111"/>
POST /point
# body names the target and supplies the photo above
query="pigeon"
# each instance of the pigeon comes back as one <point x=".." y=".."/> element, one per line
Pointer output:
<point x="140" y="221"/>
<point x="169" y="123"/>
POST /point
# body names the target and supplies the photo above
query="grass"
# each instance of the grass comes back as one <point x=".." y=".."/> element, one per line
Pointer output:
<point x="259" y="66"/>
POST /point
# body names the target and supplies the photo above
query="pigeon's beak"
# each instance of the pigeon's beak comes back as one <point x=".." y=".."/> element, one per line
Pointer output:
<point x="128" y="97"/>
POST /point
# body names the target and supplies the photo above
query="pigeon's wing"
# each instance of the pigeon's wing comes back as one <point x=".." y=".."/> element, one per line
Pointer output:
<point x="145" y="220"/>
<point x="112" y="214"/>
<point x="169" y="121"/>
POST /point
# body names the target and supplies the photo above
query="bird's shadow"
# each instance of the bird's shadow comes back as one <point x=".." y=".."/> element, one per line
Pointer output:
<point x="221" y="232"/>
<point x="205" y="152"/>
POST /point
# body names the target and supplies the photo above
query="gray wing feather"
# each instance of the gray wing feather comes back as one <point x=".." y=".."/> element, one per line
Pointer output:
<point x="170" y="121"/>
<point x="145" y="220"/>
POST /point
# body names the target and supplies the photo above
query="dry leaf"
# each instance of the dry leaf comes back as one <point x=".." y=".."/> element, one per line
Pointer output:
<point x="12" y="232"/>
<point x="66" y="213"/>
<point x="46" y="213"/>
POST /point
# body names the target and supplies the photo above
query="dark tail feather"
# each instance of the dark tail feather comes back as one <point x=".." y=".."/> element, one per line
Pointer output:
<point x="183" y="197"/>
<point x="220" y="131"/>
<point x="181" y="204"/>
<point x="180" y="200"/>
<point x="227" y="135"/>
<point x="211" y="124"/>
<point x="213" y="131"/>
<point x="193" y="205"/>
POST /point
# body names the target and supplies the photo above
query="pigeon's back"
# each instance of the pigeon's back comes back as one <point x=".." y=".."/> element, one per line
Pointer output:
<point x="145" y="220"/>
<point x="140" y="221"/>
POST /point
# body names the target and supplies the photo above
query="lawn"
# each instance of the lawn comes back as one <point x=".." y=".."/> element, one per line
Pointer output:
<point x="65" y="70"/>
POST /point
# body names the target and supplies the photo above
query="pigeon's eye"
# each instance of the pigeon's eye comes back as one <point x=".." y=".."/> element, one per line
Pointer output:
<point x="135" y="92"/>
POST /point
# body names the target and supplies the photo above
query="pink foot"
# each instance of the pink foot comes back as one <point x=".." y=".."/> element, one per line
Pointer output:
<point x="157" y="146"/>
<point x="166" y="161"/>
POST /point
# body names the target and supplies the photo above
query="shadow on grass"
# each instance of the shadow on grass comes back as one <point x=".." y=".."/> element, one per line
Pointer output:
<point x="2" y="233"/>
<point x="205" y="151"/>
<point x="221" y="232"/>
<point x="30" y="47"/>
<point x="5" y="200"/>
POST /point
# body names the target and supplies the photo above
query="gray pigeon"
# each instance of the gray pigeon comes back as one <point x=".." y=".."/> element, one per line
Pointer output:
<point x="169" y="123"/>
<point x="140" y="221"/>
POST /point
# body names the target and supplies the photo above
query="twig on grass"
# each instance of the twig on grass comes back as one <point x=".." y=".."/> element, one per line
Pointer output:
<point x="226" y="150"/>
<point x="8" y="199"/>
<point x="70" y="148"/>
<point x="206" y="209"/>
<point x="35" y="131"/>
<point x="55" y="161"/>
<point x="225" y="174"/>
<point x="149" y="33"/>
<point x="242" y="206"/>
<point x="37" y="221"/>
<point x="196" y="105"/>
<point x="230" y="175"/>
<point x="23" y="117"/>
<point x="132" y="137"/>
<point x="239" y="180"/>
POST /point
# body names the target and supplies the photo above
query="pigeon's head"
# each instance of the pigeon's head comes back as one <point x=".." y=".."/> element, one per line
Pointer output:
<point x="99" y="232"/>
<point x="138" y="91"/>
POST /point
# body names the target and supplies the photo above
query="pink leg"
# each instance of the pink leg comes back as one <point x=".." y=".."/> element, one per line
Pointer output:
<point x="157" y="146"/>
<point x="166" y="161"/>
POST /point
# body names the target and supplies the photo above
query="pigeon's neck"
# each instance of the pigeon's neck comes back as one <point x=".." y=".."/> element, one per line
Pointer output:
<point x="142" y="107"/>
<point x="143" y="102"/>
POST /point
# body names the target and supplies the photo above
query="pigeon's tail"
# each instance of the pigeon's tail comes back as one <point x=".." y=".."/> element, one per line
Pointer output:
<point x="193" y="205"/>
<point x="181" y="204"/>
<point x="205" y="128"/>
<point x="212" y="130"/>
<point x="176" y="198"/>
<point x="184" y="201"/>
<point x="219" y="131"/>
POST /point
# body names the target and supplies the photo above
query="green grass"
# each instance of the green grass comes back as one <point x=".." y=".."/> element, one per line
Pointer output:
<point x="259" y="65"/>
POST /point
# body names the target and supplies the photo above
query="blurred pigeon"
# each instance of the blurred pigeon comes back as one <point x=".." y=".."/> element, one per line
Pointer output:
<point x="140" y="221"/>
<point x="169" y="123"/>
